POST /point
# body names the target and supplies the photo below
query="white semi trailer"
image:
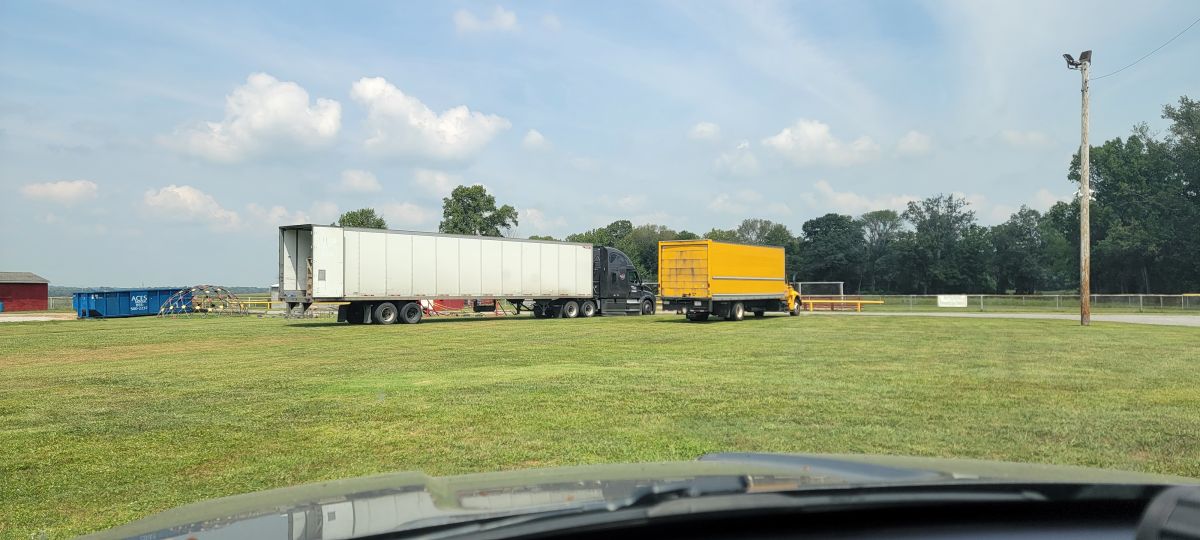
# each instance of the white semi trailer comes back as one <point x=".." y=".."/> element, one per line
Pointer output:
<point x="384" y="275"/>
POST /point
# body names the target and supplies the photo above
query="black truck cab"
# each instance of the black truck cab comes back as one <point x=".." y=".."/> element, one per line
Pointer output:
<point x="616" y="285"/>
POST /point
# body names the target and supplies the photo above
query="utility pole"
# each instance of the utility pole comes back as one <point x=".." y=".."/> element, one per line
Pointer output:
<point x="1085" y="194"/>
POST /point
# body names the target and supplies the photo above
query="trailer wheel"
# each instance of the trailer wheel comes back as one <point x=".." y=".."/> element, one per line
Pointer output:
<point x="647" y="307"/>
<point x="587" y="308"/>
<point x="736" y="312"/>
<point x="570" y="310"/>
<point x="411" y="313"/>
<point x="386" y="313"/>
<point x="539" y="311"/>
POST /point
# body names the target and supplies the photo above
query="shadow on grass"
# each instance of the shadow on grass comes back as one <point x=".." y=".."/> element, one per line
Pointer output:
<point x="426" y="320"/>
<point x="712" y="320"/>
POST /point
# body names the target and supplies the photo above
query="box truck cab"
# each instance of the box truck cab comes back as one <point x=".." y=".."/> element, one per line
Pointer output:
<point x="382" y="276"/>
<point x="703" y="277"/>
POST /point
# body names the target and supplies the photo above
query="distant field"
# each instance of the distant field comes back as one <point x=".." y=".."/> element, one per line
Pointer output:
<point x="108" y="421"/>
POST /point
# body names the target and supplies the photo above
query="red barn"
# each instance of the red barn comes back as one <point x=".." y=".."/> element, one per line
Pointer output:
<point x="24" y="291"/>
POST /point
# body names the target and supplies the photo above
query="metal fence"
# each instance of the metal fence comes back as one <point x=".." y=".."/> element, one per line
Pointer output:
<point x="1140" y="303"/>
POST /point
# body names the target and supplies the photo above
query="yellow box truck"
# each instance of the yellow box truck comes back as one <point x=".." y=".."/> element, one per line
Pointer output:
<point x="703" y="278"/>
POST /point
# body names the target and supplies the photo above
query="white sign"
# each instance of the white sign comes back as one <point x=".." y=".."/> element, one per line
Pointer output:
<point x="952" y="300"/>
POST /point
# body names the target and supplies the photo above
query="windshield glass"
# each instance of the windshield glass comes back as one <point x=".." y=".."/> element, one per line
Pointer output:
<point x="251" y="246"/>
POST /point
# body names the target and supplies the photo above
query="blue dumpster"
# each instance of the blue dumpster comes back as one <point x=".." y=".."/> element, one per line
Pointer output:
<point x="125" y="302"/>
<point x="1" y="307"/>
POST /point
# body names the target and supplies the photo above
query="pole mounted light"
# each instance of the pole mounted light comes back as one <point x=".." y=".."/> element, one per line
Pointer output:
<point x="1085" y="193"/>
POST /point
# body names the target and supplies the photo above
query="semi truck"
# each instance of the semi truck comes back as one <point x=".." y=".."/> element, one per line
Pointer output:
<point x="704" y="277"/>
<point x="383" y="276"/>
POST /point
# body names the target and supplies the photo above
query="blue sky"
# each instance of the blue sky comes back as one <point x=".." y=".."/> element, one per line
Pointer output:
<point x="163" y="143"/>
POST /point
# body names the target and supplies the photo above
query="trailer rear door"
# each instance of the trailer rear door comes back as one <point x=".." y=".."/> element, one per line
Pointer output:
<point x="683" y="270"/>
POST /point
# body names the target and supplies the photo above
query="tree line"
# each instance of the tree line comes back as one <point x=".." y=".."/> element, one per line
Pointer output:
<point x="1145" y="230"/>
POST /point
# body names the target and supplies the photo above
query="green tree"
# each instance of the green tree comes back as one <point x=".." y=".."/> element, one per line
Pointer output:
<point x="471" y="210"/>
<point x="1059" y="228"/>
<point x="881" y="229"/>
<point x="723" y="235"/>
<point x="641" y="245"/>
<point x="1019" y="248"/>
<point x="541" y="237"/>
<point x="832" y="250"/>
<point x="365" y="218"/>
<point x="686" y="235"/>
<point x="938" y="260"/>
<point x="608" y="235"/>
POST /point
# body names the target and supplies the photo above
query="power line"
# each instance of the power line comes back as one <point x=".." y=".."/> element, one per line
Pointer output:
<point x="1147" y="55"/>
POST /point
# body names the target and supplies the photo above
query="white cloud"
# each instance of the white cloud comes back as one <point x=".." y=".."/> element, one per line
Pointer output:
<point x="551" y="22"/>
<point x="810" y="142"/>
<point x="747" y="202"/>
<point x="914" y="143"/>
<point x="405" y="214"/>
<point x="262" y="115"/>
<point x="436" y="183"/>
<point x="852" y="203"/>
<point x="188" y="204"/>
<point x="276" y="215"/>
<point x="628" y="203"/>
<point x="321" y="212"/>
<point x="1043" y="199"/>
<point x="539" y="220"/>
<point x="402" y="124"/>
<point x="704" y="131"/>
<point x="738" y="162"/>
<point x="1024" y="138"/>
<point x="534" y="140"/>
<point x="65" y="192"/>
<point x="359" y="181"/>
<point x="502" y="20"/>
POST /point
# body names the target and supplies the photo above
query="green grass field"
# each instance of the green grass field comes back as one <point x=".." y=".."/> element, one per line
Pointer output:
<point x="104" y="422"/>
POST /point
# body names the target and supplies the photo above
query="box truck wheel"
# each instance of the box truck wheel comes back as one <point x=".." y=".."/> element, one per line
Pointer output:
<point x="736" y="312"/>
<point x="647" y="307"/>
<point x="410" y="313"/>
<point x="386" y="313"/>
<point x="587" y="308"/>
<point x="795" y="309"/>
<point x="570" y="310"/>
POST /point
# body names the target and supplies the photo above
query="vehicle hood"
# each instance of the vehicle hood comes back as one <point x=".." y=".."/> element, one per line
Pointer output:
<point x="389" y="502"/>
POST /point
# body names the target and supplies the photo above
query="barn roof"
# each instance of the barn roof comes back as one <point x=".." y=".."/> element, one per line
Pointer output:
<point x="21" y="277"/>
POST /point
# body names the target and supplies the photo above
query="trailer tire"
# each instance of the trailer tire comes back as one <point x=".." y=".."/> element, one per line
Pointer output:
<point x="587" y="308"/>
<point x="386" y="313"/>
<point x="737" y="312"/>
<point x="570" y="310"/>
<point x="647" y="307"/>
<point x="539" y="311"/>
<point x="411" y="313"/>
